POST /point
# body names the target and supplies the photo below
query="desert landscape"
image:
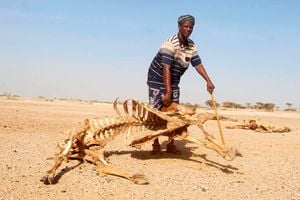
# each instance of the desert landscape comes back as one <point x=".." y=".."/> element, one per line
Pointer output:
<point x="30" y="130"/>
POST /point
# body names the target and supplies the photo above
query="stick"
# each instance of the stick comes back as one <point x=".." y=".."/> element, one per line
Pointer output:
<point x="217" y="116"/>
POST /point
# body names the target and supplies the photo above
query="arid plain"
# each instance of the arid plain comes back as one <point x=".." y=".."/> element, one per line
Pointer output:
<point x="30" y="130"/>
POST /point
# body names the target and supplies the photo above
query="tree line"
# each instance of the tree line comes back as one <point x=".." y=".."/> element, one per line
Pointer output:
<point x="258" y="106"/>
<point x="226" y="104"/>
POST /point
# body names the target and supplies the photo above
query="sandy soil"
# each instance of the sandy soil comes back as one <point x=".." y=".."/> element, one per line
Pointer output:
<point x="31" y="129"/>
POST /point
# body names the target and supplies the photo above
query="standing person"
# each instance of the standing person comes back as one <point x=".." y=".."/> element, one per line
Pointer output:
<point x="167" y="67"/>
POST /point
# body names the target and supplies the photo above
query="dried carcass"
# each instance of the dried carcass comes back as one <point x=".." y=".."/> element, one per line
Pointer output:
<point x="135" y="117"/>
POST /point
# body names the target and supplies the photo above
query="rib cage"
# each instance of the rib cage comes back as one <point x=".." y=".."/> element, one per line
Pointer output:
<point x="148" y="117"/>
<point x="135" y="117"/>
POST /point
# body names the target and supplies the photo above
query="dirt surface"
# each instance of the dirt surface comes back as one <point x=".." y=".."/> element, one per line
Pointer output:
<point x="30" y="131"/>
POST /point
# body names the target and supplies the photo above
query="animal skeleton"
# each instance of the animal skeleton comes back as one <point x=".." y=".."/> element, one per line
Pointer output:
<point x="139" y="118"/>
<point x="258" y="127"/>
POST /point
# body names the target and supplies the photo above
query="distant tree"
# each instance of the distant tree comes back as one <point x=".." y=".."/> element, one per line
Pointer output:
<point x="289" y="105"/>
<point x="209" y="103"/>
<point x="198" y="105"/>
<point x="248" y="105"/>
<point x="269" y="107"/>
<point x="228" y="104"/>
<point x="240" y="106"/>
<point x="259" y="105"/>
<point x="264" y="106"/>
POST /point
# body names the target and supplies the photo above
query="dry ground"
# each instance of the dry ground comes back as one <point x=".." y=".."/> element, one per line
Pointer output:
<point x="31" y="129"/>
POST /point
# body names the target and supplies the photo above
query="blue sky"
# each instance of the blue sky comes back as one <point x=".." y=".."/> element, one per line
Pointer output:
<point x="102" y="49"/>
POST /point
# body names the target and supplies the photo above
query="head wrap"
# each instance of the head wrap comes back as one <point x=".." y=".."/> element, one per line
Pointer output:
<point x="185" y="18"/>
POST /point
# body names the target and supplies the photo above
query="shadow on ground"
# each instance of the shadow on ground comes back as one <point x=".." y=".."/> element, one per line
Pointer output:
<point x="186" y="154"/>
